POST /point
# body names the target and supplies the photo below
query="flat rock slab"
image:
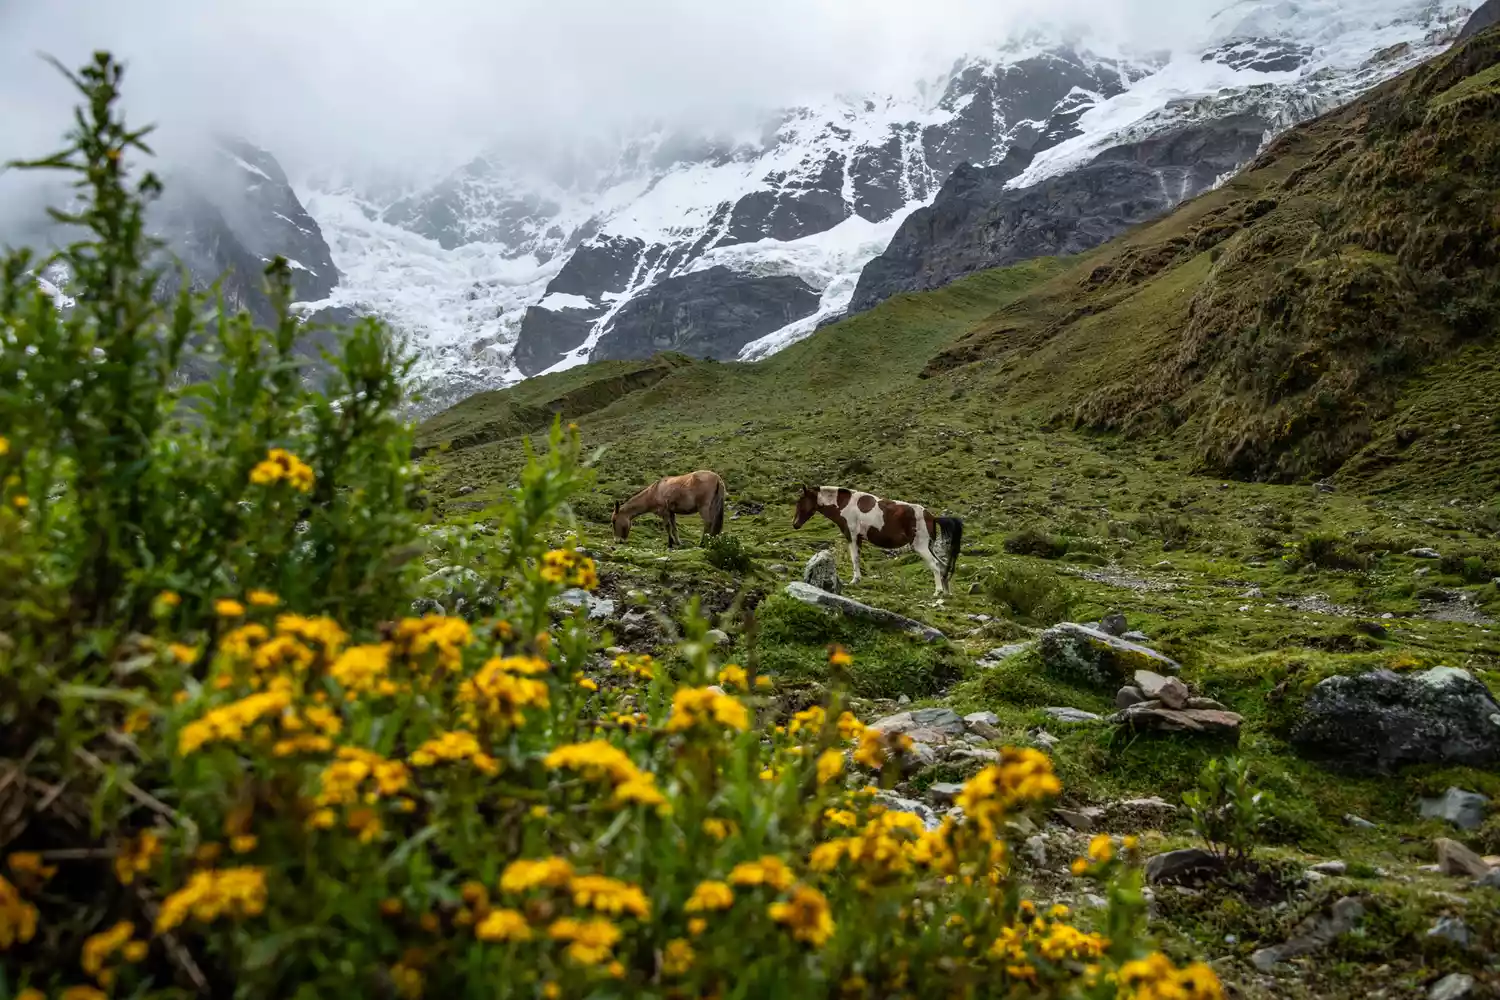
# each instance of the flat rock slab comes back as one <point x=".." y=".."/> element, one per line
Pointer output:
<point x="1078" y="653"/>
<point x="1313" y="934"/>
<point x="808" y="594"/>
<point x="1456" y="859"/>
<point x="943" y="721"/>
<point x="1453" y="986"/>
<point x="1170" y="691"/>
<point x="1152" y="717"/>
<point x="1074" y="716"/>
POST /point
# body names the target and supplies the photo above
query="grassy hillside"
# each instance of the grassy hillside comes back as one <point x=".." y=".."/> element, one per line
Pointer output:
<point x="1138" y="428"/>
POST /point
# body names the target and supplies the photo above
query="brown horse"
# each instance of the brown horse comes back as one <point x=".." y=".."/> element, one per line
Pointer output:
<point x="888" y="524"/>
<point x="700" y="493"/>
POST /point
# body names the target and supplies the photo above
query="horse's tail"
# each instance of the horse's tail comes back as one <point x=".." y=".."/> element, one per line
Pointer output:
<point x="717" y="503"/>
<point x="951" y="529"/>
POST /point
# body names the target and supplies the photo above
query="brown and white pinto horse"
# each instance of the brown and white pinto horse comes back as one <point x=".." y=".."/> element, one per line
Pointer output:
<point x="700" y="493"/>
<point x="888" y="524"/>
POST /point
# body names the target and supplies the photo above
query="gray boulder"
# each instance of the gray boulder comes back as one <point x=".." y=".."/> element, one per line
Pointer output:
<point x="599" y="608"/>
<point x="944" y="792"/>
<point x="1464" y="810"/>
<point x="1184" y="865"/>
<point x="1377" y="722"/>
<point x="1079" y="653"/>
<point x="1452" y="929"/>
<point x="942" y="721"/>
<point x="1129" y="695"/>
<point x="1113" y="623"/>
<point x="1424" y="553"/>
<point x="919" y="809"/>
<point x="822" y="571"/>
<point x="1453" y="986"/>
<point x="809" y="594"/>
<point x="719" y="638"/>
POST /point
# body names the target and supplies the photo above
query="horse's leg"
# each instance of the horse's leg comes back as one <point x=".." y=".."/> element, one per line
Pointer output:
<point x="854" y="558"/>
<point x="672" y="540"/>
<point x="934" y="564"/>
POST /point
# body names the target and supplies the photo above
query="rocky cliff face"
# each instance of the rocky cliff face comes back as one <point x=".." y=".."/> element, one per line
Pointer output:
<point x="1486" y="16"/>
<point x="979" y="221"/>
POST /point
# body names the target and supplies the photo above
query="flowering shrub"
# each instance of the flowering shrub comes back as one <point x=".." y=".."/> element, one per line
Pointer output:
<point x="233" y="767"/>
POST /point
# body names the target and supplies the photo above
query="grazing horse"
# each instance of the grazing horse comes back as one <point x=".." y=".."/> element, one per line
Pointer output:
<point x="888" y="524"/>
<point x="700" y="493"/>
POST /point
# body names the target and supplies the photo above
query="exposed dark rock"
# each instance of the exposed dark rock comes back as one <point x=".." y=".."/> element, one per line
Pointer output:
<point x="1486" y="16"/>
<point x="1129" y="695"/>
<point x="711" y="314"/>
<point x="464" y="208"/>
<point x="1313" y="934"/>
<point x="1114" y="623"/>
<point x="1380" y="721"/>
<point x="1464" y="810"/>
<point x="977" y="222"/>
<point x="1170" y="691"/>
<point x="822" y="571"/>
<point x="1263" y="55"/>
<point x="1187" y="865"/>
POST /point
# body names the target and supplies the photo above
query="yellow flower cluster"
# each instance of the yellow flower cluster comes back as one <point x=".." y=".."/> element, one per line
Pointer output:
<point x="321" y="630"/>
<point x="17" y="917"/>
<point x="209" y="895"/>
<point x="136" y="856"/>
<point x="98" y="949"/>
<point x="692" y="706"/>
<point x="501" y="689"/>
<point x="455" y="746"/>
<point x="570" y="567"/>
<point x="439" y="634"/>
<point x="598" y="759"/>
<point x="769" y="871"/>
<point x="806" y="915"/>
<point x="1156" y="978"/>
<point x="876" y="746"/>
<point x="527" y="874"/>
<point x="229" y="722"/>
<point x="1023" y="777"/>
<point x="883" y="848"/>
<point x="608" y="895"/>
<point x="502" y="925"/>
<point x="732" y="675"/>
<point x="281" y="465"/>
<point x="709" y="896"/>
<point x="635" y="665"/>
<point x="589" y="941"/>
<point x="1055" y="942"/>
<point x="363" y="669"/>
<point x="678" y="957"/>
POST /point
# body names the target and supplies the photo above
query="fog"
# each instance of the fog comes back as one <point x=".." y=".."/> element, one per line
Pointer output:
<point x="359" y="84"/>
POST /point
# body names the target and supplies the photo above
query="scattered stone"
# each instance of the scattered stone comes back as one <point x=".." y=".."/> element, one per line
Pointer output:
<point x="1076" y="652"/>
<point x="1424" y="553"/>
<point x="922" y="754"/>
<point x="1358" y="822"/>
<point x="1113" y="623"/>
<point x="1165" y="564"/>
<point x="1453" y="986"/>
<point x="944" y="792"/>
<point x="1452" y="929"/>
<point x="1186" y="864"/>
<point x="943" y="721"/>
<point x="1170" y="691"/>
<point x="1072" y="716"/>
<point x="1313" y="934"/>
<point x="1149" y="717"/>
<point x="988" y="718"/>
<point x="919" y="809"/>
<point x="1135" y="815"/>
<point x="809" y="594"/>
<point x="822" y="571"/>
<point x="905" y="699"/>
<point x="1207" y="703"/>
<point x="614" y="651"/>
<point x="463" y="491"/>
<point x="1313" y="876"/>
<point x="1036" y="850"/>
<point x="719" y="638"/>
<point x="978" y="753"/>
<point x="1377" y="722"/>
<point x="1129" y="695"/>
<point x="1456" y="859"/>
<point x="1084" y="820"/>
<point x="1329" y="867"/>
<point x="999" y="653"/>
<point x="599" y="608"/>
<point x="1136" y="635"/>
<point x="1464" y="810"/>
<point x="1045" y="740"/>
<point x="457" y="589"/>
<point x="1375" y="630"/>
<point x="1490" y="881"/>
<point x="1094" y="901"/>
<point x="780" y="569"/>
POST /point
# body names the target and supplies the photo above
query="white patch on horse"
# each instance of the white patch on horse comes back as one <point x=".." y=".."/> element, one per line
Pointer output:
<point x="828" y="495"/>
<point x="860" y="522"/>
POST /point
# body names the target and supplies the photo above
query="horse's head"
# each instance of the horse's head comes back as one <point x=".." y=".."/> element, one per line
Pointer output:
<point x="620" y="522"/>
<point x="807" y="506"/>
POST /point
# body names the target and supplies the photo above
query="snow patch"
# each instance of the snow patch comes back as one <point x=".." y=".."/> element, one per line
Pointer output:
<point x="247" y="166"/>
<point x="565" y="300"/>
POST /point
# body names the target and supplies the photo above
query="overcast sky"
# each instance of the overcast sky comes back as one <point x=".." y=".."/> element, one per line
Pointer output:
<point x="340" y="81"/>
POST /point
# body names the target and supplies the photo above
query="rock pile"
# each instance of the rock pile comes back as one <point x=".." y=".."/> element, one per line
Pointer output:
<point x="1166" y="704"/>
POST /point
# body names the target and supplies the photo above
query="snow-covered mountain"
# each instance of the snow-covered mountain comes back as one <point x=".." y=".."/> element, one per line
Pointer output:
<point x="736" y="246"/>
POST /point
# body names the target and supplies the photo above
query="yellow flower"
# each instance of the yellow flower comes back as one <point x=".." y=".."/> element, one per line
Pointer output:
<point x="228" y="607"/>
<point x="764" y="683"/>
<point x="733" y="675"/>
<point x="1101" y="848"/>
<point x="437" y="634"/>
<point x="594" y="760"/>
<point x="30" y="993"/>
<point x="98" y="948"/>
<point x="183" y="653"/>
<point x="280" y="464"/>
<point x="591" y="940"/>
<point x="769" y="870"/>
<point x="4" y="446"/>
<point x="455" y="746"/>
<point x="169" y="598"/>
<point x="840" y="817"/>
<point x="719" y="829"/>
<point x="362" y="668"/>
<point x="21" y="501"/>
<point x="1079" y="866"/>
<point x="806" y="915"/>
<point x="608" y="895"/>
<point x="135" y="856"/>
<point x="209" y="895"/>
<point x="503" y="925"/>
<point x="82" y="993"/>
<point x="30" y="863"/>
<point x="588" y="684"/>
<point x="229" y="722"/>
<point x="696" y="926"/>
<point x="830" y="766"/>
<point x="678" y="957"/>
<point x="408" y="980"/>
<point x="690" y="706"/>
<point x="262" y="598"/>
<point x="499" y="692"/>
<point x="17" y="917"/>
<point x="710" y="895"/>
<point x="838" y="657"/>
<point x="527" y="874"/>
